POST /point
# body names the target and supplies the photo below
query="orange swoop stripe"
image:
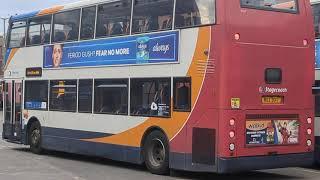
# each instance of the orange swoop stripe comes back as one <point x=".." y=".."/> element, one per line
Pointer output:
<point x="50" y="10"/>
<point x="173" y="125"/>
<point x="12" y="53"/>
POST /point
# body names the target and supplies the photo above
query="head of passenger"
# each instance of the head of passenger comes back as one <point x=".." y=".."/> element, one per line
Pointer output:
<point x="57" y="54"/>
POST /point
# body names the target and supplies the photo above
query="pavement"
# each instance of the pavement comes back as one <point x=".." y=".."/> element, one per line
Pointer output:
<point x="17" y="163"/>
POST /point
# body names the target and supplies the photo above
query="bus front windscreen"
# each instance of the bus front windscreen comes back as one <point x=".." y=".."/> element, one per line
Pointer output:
<point x="277" y="5"/>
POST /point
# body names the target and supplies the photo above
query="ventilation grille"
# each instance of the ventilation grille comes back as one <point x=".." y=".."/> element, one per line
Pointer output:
<point x="203" y="146"/>
<point x="204" y="66"/>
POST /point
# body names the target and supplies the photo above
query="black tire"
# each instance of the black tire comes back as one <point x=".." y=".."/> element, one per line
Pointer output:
<point x="35" y="138"/>
<point x="156" y="153"/>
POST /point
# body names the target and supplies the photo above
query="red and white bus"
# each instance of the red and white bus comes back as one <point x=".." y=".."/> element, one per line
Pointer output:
<point x="197" y="85"/>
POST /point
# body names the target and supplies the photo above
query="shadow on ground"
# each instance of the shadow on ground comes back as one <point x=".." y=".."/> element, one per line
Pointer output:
<point x="252" y="175"/>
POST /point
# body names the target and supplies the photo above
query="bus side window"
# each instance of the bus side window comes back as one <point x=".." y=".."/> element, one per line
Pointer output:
<point x="36" y="95"/>
<point x="111" y="96"/>
<point x="194" y="13"/>
<point x="88" y="23"/>
<point x="316" y="93"/>
<point x="66" y="26"/>
<point x="114" y="18"/>
<point x="150" y="97"/>
<point x="63" y="95"/>
<point x="316" y="14"/>
<point x="85" y="96"/>
<point x="17" y="35"/>
<point x="152" y="15"/>
<point x="182" y="94"/>
<point x="39" y="30"/>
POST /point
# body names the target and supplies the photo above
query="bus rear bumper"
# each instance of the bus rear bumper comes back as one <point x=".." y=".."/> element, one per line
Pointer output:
<point x="231" y="165"/>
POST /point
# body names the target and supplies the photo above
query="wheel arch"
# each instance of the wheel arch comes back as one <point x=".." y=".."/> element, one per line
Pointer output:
<point x="30" y="122"/>
<point x="145" y="135"/>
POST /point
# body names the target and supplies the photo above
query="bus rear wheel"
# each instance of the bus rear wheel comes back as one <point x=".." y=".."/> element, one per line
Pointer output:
<point x="156" y="153"/>
<point x="35" y="138"/>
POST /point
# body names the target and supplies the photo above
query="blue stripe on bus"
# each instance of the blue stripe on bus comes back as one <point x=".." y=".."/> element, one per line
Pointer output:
<point x="72" y="134"/>
<point x="24" y="16"/>
<point x="110" y="151"/>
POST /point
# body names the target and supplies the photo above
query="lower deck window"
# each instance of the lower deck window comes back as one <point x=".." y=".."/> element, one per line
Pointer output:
<point x="63" y="95"/>
<point x="36" y="95"/>
<point x="111" y="97"/>
<point x="85" y="96"/>
<point x="150" y="97"/>
<point x="182" y="94"/>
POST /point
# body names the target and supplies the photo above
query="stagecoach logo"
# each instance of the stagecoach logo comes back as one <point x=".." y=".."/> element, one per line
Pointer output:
<point x="272" y="90"/>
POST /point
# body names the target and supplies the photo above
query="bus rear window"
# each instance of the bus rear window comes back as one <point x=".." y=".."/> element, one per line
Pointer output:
<point x="275" y="5"/>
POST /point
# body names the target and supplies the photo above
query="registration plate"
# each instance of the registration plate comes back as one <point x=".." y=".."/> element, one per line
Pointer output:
<point x="272" y="100"/>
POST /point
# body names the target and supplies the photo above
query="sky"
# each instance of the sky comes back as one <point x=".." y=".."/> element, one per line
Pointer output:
<point x="12" y="7"/>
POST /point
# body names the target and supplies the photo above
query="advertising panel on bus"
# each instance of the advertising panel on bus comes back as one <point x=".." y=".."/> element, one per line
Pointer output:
<point x="272" y="132"/>
<point x="139" y="49"/>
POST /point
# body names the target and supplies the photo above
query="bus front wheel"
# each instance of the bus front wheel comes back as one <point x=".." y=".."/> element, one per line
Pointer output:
<point x="35" y="138"/>
<point x="156" y="153"/>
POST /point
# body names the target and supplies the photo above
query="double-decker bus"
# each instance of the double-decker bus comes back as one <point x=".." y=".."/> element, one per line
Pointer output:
<point x="196" y="85"/>
<point x="316" y="89"/>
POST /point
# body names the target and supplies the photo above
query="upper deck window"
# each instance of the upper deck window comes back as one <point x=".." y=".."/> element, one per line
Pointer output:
<point x="66" y="26"/>
<point x="17" y="34"/>
<point x="316" y="15"/>
<point x="88" y="22"/>
<point x="39" y="30"/>
<point x="152" y="15"/>
<point x="275" y="5"/>
<point x="114" y="18"/>
<point x="194" y="13"/>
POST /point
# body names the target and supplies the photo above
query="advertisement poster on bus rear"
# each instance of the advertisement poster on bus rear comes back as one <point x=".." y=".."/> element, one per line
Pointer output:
<point x="272" y="132"/>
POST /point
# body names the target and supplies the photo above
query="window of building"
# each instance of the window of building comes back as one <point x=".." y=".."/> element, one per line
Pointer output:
<point x="316" y="16"/>
<point x="182" y="94"/>
<point x="194" y="13"/>
<point x="111" y="97"/>
<point x="66" y="26"/>
<point x="17" y="35"/>
<point x="276" y="5"/>
<point x="150" y="97"/>
<point x="152" y="15"/>
<point x="88" y="23"/>
<point x="114" y="18"/>
<point x="36" y="95"/>
<point x="85" y="96"/>
<point x="63" y="95"/>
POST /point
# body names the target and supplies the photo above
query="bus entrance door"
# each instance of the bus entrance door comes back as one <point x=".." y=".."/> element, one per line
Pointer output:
<point x="12" y="126"/>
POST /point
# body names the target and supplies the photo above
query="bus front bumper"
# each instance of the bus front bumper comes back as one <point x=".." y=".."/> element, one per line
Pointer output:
<point x="231" y="165"/>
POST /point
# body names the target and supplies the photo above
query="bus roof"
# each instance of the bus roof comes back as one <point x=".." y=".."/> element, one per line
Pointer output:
<point x="56" y="9"/>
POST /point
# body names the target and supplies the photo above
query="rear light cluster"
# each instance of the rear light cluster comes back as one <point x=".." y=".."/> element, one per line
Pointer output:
<point x="232" y="134"/>
<point x="309" y="131"/>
